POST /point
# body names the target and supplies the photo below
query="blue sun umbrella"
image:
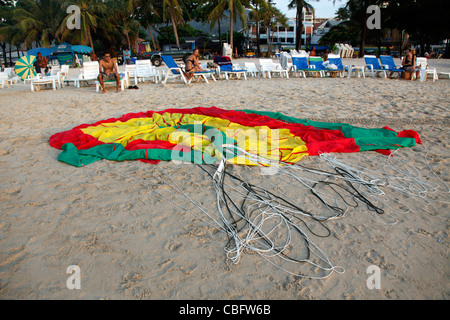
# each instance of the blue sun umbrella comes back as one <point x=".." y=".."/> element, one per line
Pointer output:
<point x="25" y="67"/>
<point x="82" y="49"/>
<point x="44" y="51"/>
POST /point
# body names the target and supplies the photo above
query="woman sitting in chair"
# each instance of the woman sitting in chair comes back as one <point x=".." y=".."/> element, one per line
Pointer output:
<point x="408" y="65"/>
<point x="193" y="64"/>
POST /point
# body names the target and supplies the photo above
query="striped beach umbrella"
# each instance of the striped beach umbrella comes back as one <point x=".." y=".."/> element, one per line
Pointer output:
<point x="25" y="67"/>
<point x="82" y="49"/>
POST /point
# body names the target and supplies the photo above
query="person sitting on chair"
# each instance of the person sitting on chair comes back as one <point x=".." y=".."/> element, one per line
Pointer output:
<point x="408" y="65"/>
<point x="93" y="56"/>
<point x="108" y="71"/>
<point x="41" y="63"/>
<point x="325" y="55"/>
<point x="127" y="56"/>
<point x="193" y="64"/>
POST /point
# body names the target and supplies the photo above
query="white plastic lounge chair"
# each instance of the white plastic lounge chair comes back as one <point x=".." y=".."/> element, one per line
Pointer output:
<point x="335" y="60"/>
<point x="388" y="63"/>
<point x="316" y="63"/>
<point x="374" y="66"/>
<point x="343" y="49"/>
<point x="251" y="69"/>
<point x="228" y="71"/>
<point x="122" y="81"/>
<point x="176" y="72"/>
<point x="130" y="70"/>
<point x="89" y="72"/>
<point x="55" y="73"/>
<point x="146" y="71"/>
<point x="37" y="83"/>
<point x="301" y="67"/>
<point x="267" y="66"/>
<point x="29" y="78"/>
<point x="348" y="50"/>
<point x="3" y="79"/>
<point x="12" y="77"/>
<point x="285" y="60"/>
<point x="422" y="64"/>
<point x="64" y="73"/>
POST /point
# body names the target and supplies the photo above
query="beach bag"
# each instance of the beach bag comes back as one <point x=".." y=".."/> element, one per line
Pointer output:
<point x="407" y="75"/>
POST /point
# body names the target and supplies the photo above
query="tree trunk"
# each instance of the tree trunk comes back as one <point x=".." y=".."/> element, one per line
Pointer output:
<point x="151" y="36"/>
<point x="174" y="28"/>
<point x="231" y="25"/>
<point x="299" y="28"/>
<point x="258" y="45"/>
<point x="90" y="40"/>
<point x="379" y="43"/>
<point x="220" y="35"/>
<point x="3" y="45"/>
<point x="363" y="37"/>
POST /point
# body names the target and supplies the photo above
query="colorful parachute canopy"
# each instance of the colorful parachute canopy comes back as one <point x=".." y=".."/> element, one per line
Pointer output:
<point x="206" y="135"/>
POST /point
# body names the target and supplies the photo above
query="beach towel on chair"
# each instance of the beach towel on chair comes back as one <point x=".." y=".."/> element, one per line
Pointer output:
<point x="222" y="60"/>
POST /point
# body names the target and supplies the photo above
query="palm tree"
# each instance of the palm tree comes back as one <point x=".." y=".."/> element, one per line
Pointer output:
<point x="122" y="20"/>
<point x="91" y="12"/>
<point x="176" y="15"/>
<point x="39" y="20"/>
<point x="147" y="11"/>
<point x="256" y="16"/>
<point x="6" y="27"/>
<point x="359" y="15"/>
<point x="270" y="17"/>
<point x="299" y="5"/>
<point x="206" y="9"/>
<point x="235" y="8"/>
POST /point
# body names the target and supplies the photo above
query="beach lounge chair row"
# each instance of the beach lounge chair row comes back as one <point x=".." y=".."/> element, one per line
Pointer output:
<point x="388" y="65"/>
<point x="344" y="50"/>
<point x="315" y="66"/>
<point x="8" y="77"/>
<point x="301" y="65"/>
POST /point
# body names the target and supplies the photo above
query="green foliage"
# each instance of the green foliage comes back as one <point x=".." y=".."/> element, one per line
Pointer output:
<point x="113" y="24"/>
<point x="342" y="33"/>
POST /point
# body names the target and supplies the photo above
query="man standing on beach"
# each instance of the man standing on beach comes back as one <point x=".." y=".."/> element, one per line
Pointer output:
<point x="108" y="71"/>
<point x="127" y="56"/>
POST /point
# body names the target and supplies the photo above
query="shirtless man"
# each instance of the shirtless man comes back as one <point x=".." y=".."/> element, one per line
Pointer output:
<point x="108" y="71"/>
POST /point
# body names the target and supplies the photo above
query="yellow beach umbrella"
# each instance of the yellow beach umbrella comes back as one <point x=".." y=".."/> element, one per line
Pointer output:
<point x="25" y="67"/>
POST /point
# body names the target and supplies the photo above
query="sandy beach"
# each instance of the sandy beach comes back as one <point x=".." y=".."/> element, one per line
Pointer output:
<point x="118" y="221"/>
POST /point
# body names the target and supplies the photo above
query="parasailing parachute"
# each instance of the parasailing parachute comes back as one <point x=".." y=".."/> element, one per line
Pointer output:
<point x="207" y="135"/>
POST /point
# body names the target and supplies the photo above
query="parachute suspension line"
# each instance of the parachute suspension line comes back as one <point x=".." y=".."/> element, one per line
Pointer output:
<point x="256" y="223"/>
<point x="258" y="220"/>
